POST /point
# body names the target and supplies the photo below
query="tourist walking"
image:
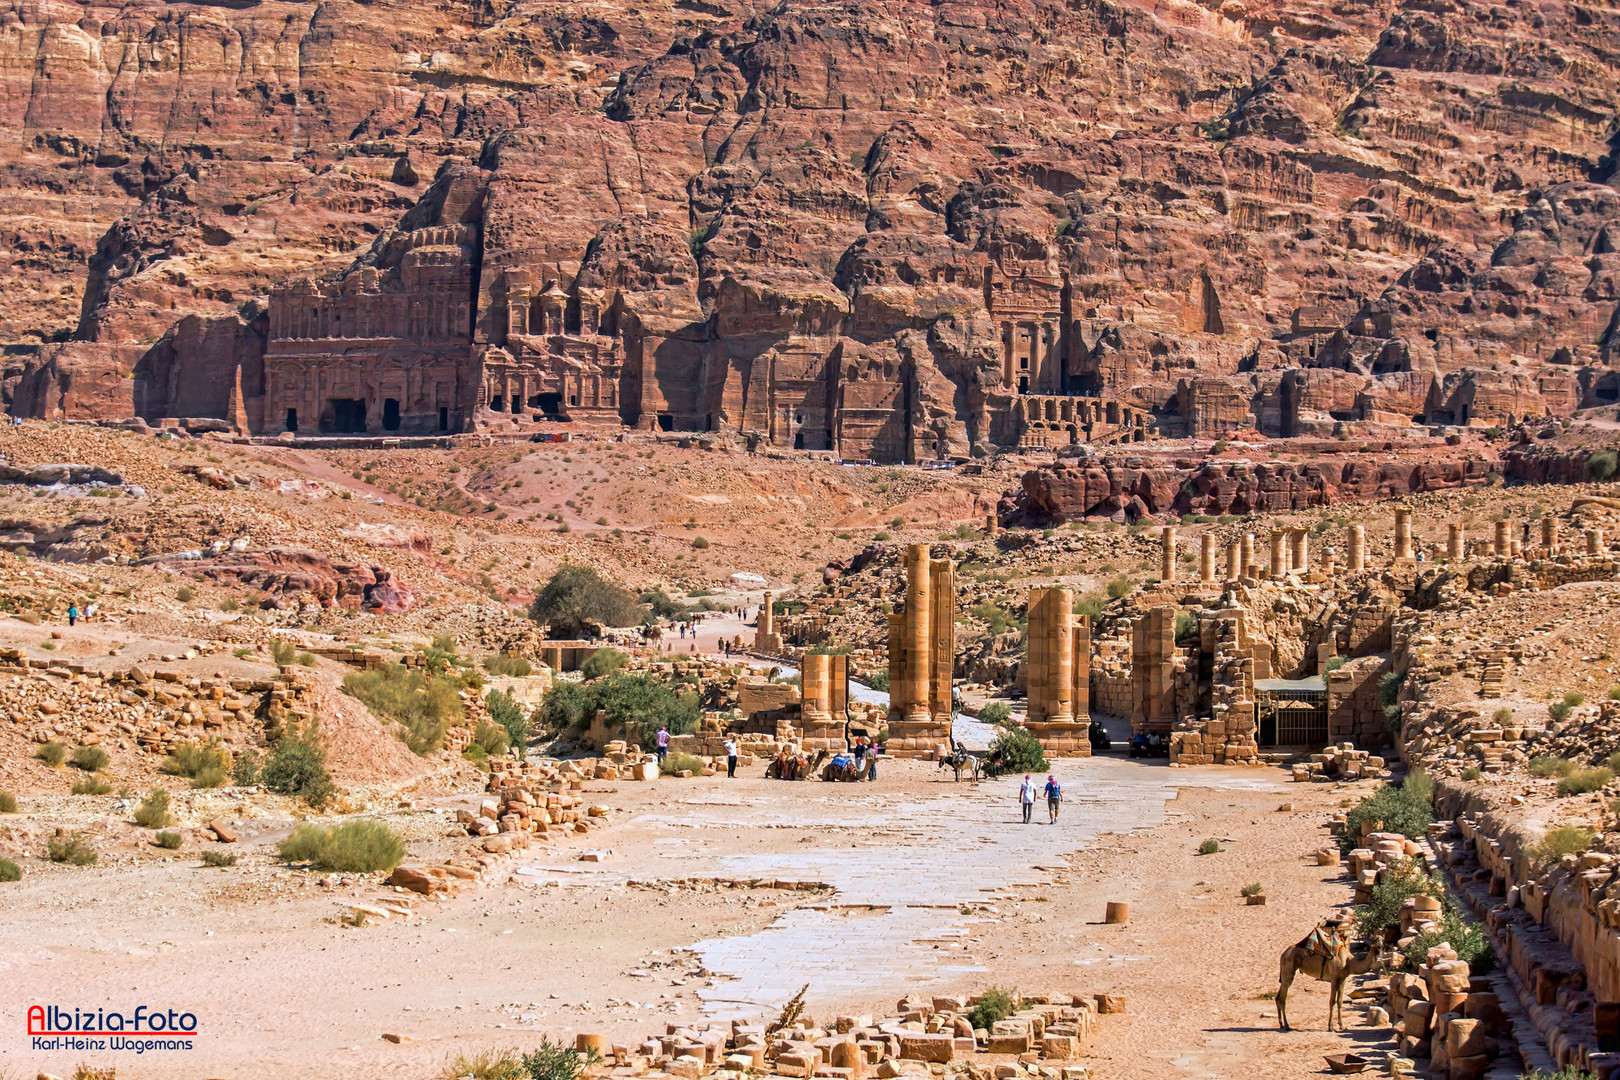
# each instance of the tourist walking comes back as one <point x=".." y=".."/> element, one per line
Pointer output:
<point x="731" y="757"/>
<point x="663" y="743"/>
<point x="73" y="614"/>
<point x="871" y="764"/>
<point x="90" y="612"/>
<point x="1054" y="797"/>
<point x="860" y="756"/>
<point x="1026" y="796"/>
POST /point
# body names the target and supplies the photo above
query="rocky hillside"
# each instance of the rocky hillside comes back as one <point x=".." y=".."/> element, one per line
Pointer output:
<point x="1312" y="212"/>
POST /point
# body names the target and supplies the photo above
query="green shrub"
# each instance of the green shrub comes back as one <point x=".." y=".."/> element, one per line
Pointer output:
<point x="1186" y="626"/>
<point x="1465" y="937"/>
<point x="514" y="666"/>
<point x="1558" y="842"/>
<point x="297" y="766"/>
<point x="1335" y="663"/>
<point x="1574" y="700"/>
<point x="90" y="758"/>
<point x="996" y="712"/>
<point x="1092" y="606"/>
<point x="1601" y="465"/>
<point x="305" y="659"/>
<point x="487" y="1065"/>
<point x="699" y="542"/>
<point x="1254" y="889"/>
<point x="1545" y="767"/>
<point x="74" y="850"/>
<point x="283" y="651"/>
<point x="185" y="594"/>
<point x="554" y="1061"/>
<point x="1419" y="786"/>
<point x="1119" y="587"/>
<point x="1582" y="781"/>
<point x="1396" y="809"/>
<point x="422" y="705"/>
<point x="1472" y="773"/>
<point x="995" y="618"/>
<point x="602" y="662"/>
<point x="1503" y="716"/>
<point x="92" y="785"/>
<point x="230" y="604"/>
<point x="879" y="680"/>
<point x="352" y="847"/>
<point x="490" y="738"/>
<point x="217" y="858"/>
<point x="245" y="771"/>
<point x="1211" y="846"/>
<point x="8" y="803"/>
<point x="1021" y="751"/>
<point x="993" y="1005"/>
<point x="153" y="813"/>
<point x="168" y="840"/>
<point x="192" y="759"/>
<point x="10" y="871"/>
<point x="577" y="601"/>
<point x="1559" y="711"/>
<point x="1401" y="880"/>
<point x="676" y="763"/>
<point x="1614" y="693"/>
<point x="52" y="754"/>
<point x="211" y="778"/>
<point x="513" y="719"/>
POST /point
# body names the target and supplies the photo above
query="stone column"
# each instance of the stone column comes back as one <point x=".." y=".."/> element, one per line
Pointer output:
<point x="1060" y="677"/>
<point x="1167" y="555"/>
<point x="942" y="643"/>
<point x="1300" y="557"/>
<point x="991" y="526"/>
<point x="815" y="687"/>
<point x="1080" y="697"/>
<point x="1234" y="561"/>
<point x="1279" y="558"/>
<point x="1500" y="545"/>
<point x="1454" y="543"/>
<point x="1246" y="546"/>
<point x="918" y="638"/>
<point x="1206" y="557"/>
<point x="1549" y="534"/>
<point x="897" y="667"/>
<point x="1356" y="549"/>
<point x="767" y="616"/>
<point x="1036" y="661"/>
<point x="1594" y="541"/>
<point x="1403" y="535"/>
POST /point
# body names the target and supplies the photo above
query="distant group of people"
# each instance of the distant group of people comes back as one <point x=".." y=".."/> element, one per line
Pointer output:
<point x="74" y="614"/>
<point x="1054" y="798"/>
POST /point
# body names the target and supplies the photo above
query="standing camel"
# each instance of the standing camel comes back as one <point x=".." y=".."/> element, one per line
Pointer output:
<point x="1331" y="967"/>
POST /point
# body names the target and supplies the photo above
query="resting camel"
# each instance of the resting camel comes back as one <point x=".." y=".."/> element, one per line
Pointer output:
<point x="1332" y="967"/>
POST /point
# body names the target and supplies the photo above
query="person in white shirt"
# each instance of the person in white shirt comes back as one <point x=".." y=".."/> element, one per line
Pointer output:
<point x="1026" y="796"/>
<point x="731" y="757"/>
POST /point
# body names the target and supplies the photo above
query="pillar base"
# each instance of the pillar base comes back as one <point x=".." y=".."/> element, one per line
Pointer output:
<point x="919" y="738"/>
<point x="1062" y="738"/>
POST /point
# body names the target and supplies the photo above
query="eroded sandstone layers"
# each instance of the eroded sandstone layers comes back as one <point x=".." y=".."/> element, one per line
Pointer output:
<point x="891" y="231"/>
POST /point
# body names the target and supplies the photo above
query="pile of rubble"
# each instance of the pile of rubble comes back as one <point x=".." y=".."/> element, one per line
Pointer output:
<point x="1342" y="762"/>
<point x="925" y="1037"/>
<point x="1449" y="1016"/>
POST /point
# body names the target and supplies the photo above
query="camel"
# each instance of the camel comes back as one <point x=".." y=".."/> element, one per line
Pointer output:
<point x="1333" y="968"/>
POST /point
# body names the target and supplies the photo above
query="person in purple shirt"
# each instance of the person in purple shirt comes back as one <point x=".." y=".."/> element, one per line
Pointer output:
<point x="663" y="743"/>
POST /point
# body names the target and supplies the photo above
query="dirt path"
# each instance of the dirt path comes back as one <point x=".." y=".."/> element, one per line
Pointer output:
<point x="939" y="887"/>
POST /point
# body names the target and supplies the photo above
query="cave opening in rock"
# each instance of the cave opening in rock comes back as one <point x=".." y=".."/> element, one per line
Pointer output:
<point x="348" y="415"/>
<point x="390" y="414"/>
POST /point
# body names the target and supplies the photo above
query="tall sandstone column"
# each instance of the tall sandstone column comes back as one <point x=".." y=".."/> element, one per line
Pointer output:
<point x="1594" y="541"/>
<point x="1549" y="534"/>
<point x="815" y="711"/>
<point x="1248" y="555"/>
<point x="1081" y="697"/>
<point x="1300" y="556"/>
<point x="1501" y="545"/>
<point x="1206" y="558"/>
<point x="1454" y="542"/>
<point x="1356" y="548"/>
<point x="1058" y="673"/>
<point x="919" y="641"/>
<point x="1403" y="535"/>
<point x="1279" y="560"/>
<point x="1167" y="555"/>
<point x="897" y="667"/>
<point x="1234" y="561"/>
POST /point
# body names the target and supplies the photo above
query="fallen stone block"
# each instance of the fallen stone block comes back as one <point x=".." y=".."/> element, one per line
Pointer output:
<point x="916" y="1046"/>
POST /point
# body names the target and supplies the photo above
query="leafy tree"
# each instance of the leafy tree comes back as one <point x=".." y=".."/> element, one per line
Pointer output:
<point x="512" y="717"/>
<point x="578" y="602"/>
<point x="1021" y="750"/>
<point x="602" y="662"/>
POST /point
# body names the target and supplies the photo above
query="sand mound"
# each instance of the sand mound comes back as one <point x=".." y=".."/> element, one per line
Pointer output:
<point x="359" y="747"/>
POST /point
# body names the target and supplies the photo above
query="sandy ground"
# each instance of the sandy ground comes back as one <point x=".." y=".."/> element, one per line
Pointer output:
<point x="939" y="887"/>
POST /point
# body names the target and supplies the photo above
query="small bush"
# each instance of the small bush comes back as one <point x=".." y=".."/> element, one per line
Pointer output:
<point x="1556" y="843"/>
<point x="169" y="841"/>
<point x="1582" y="781"/>
<point x="699" y="542"/>
<point x="1186" y="626"/>
<point x="491" y="738"/>
<point x="153" y="813"/>
<point x="92" y="785"/>
<point x="1402" y="879"/>
<point x="230" y="604"/>
<point x="245" y="770"/>
<point x="423" y="705"/>
<point x="297" y="766"/>
<point x="1545" y="767"/>
<point x="90" y="758"/>
<point x="8" y="803"/>
<point x="283" y="651"/>
<point x="210" y="778"/>
<point x="1465" y="937"/>
<point x="1254" y="889"/>
<point x="1601" y="465"/>
<point x="1614" y="693"/>
<point x="1406" y="810"/>
<point x="514" y="666"/>
<point x="305" y="659"/>
<point x="1119" y="587"/>
<point x="487" y="1065"/>
<point x="185" y="594"/>
<point x="993" y="1005"/>
<point x="1419" y="787"/>
<point x="512" y="717"/>
<point x="676" y="763"/>
<point x="996" y="712"/>
<point x="192" y="759"/>
<point x="602" y="662"/>
<point x="353" y="847"/>
<point x="217" y="858"/>
<point x="1503" y="716"/>
<point x="1472" y="773"/>
<point x="52" y="754"/>
<point x="1020" y="750"/>
<point x="1574" y="700"/>
<point x="10" y="871"/>
<point x="1209" y="847"/>
<point x="554" y="1061"/>
<point x="74" y="850"/>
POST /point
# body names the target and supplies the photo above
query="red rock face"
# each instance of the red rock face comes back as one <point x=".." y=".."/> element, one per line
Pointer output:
<point x="287" y="576"/>
<point x="883" y="229"/>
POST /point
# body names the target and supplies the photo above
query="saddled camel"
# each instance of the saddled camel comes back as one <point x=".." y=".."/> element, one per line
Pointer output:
<point x="1333" y="967"/>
